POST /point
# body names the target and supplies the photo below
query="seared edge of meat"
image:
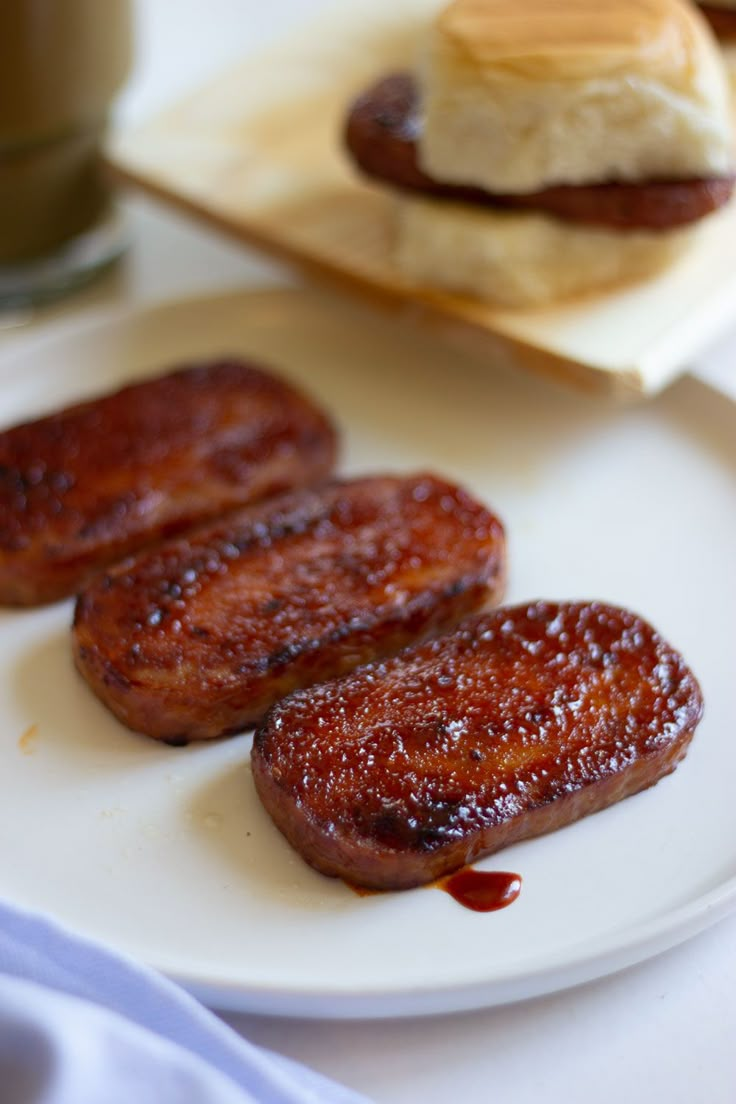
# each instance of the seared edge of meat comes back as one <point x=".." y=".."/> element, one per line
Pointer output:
<point x="722" y="20"/>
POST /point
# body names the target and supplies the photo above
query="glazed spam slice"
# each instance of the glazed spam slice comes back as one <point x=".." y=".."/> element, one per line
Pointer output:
<point x="86" y="486"/>
<point x="516" y="723"/>
<point x="198" y="637"/>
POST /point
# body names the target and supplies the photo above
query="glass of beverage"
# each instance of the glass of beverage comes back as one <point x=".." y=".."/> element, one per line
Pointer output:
<point x="61" y="64"/>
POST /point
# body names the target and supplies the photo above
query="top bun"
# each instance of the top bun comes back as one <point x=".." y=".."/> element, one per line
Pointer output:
<point x="520" y="95"/>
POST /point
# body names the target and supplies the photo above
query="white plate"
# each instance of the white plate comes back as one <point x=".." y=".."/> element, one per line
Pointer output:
<point x="166" y="853"/>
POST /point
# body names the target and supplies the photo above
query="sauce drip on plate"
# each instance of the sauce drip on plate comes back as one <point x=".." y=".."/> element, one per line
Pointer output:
<point x="482" y="890"/>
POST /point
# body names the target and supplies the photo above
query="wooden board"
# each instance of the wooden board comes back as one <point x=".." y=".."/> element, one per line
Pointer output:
<point x="257" y="153"/>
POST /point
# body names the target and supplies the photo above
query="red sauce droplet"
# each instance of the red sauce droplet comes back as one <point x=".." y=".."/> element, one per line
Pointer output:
<point x="483" y="890"/>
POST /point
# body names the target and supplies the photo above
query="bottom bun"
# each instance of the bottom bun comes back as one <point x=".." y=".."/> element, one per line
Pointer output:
<point x="521" y="259"/>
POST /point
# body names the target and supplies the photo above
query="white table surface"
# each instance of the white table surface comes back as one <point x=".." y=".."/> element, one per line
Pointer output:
<point x="663" y="1031"/>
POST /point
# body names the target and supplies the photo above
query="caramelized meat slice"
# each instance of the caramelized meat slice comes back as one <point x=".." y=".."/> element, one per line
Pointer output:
<point x="722" y="20"/>
<point x="383" y="131"/>
<point x="84" y="487"/>
<point x="517" y="723"/>
<point x="198" y="637"/>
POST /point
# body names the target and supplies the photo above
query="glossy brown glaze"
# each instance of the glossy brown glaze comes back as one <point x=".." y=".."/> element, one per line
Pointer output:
<point x="198" y="637"/>
<point x="83" y="487"/>
<point x="382" y="134"/>
<point x="482" y="890"/>
<point x="516" y="723"/>
<point x="722" y="20"/>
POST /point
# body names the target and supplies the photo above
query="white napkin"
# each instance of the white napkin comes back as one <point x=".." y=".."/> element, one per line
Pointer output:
<point x="82" y="1025"/>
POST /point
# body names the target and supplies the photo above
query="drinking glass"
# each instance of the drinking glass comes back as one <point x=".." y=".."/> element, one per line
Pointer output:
<point x="61" y="64"/>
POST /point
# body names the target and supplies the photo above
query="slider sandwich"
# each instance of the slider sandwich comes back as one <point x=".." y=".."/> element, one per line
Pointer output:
<point x="545" y="148"/>
<point x="721" y="14"/>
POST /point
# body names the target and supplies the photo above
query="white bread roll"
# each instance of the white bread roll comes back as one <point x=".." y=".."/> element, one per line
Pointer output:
<point x="518" y="259"/>
<point x="519" y="96"/>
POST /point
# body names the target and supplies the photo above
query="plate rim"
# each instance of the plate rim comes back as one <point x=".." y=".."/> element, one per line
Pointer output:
<point x="646" y="941"/>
